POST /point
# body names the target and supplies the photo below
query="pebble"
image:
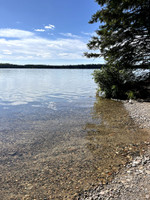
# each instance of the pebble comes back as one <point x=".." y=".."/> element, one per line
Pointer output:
<point x="147" y="196"/>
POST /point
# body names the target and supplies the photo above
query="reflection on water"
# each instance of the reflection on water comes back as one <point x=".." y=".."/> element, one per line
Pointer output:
<point x="59" y="152"/>
<point x="19" y="86"/>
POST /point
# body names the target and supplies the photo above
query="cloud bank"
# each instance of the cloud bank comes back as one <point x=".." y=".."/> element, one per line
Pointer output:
<point x="26" y="47"/>
<point x="15" y="33"/>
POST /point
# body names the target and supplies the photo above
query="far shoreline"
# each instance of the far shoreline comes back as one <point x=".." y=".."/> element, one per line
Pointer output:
<point x="42" y="66"/>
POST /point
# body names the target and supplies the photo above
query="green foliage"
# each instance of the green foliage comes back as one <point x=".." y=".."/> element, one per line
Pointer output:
<point x="120" y="84"/>
<point x="113" y="82"/>
<point x="123" y="37"/>
<point x="130" y="94"/>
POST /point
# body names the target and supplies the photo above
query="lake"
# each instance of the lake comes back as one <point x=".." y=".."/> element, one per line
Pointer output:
<point x="57" y="139"/>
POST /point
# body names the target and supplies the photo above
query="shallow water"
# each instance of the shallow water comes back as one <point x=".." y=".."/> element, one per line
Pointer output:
<point x="56" y="138"/>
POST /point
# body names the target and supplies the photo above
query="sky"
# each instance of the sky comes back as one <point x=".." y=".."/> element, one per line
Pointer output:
<point x="53" y="32"/>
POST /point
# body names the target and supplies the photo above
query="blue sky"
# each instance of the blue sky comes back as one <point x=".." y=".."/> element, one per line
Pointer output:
<point x="46" y="31"/>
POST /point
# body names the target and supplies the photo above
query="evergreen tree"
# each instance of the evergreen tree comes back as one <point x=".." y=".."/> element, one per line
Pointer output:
<point x="123" y="38"/>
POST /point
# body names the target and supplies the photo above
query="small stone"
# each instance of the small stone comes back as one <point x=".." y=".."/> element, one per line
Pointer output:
<point x="135" y="163"/>
<point x="147" y="196"/>
<point x="140" y="171"/>
<point x="102" y="192"/>
<point x="147" y="172"/>
<point x="128" y="179"/>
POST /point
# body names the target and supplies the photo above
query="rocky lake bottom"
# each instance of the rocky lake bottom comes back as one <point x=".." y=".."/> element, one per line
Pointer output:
<point x="49" y="155"/>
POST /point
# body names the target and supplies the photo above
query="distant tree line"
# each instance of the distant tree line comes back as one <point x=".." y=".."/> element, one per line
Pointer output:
<point x="81" y="66"/>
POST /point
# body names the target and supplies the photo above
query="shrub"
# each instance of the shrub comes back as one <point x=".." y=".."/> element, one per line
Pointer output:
<point x="114" y="82"/>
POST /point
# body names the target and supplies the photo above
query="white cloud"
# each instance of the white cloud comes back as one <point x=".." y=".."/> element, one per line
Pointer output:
<point x="39" y="30"/>
<point x="50" y="26"/>
<point x="6" y="52"/>
<point x="22" y="47"/>
<point x="27" y="47"/>
<point x="89" y="34"/>
<point x="15" y="33"/>
<point x="70" y="35"/>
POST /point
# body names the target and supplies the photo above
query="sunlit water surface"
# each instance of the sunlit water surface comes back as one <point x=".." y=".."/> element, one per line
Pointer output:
<point x="56" y="138"/>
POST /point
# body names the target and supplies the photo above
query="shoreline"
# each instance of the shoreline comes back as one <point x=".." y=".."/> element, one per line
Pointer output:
<point x="133" y="181"/>
<point x="44" y="66"/>
<point x="140" y="113"/>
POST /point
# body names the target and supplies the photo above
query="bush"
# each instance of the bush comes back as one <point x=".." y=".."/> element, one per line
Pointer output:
<point x="115" y="82"/>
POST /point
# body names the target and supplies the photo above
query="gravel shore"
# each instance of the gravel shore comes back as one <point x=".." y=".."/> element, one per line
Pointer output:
<point x="133" y="182"/>
<point x="140" y="112"/>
